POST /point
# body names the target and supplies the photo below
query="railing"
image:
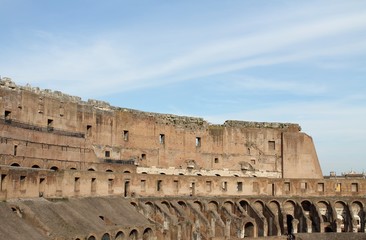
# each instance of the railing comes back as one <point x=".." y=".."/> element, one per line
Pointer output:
<point x="15" y="123"/>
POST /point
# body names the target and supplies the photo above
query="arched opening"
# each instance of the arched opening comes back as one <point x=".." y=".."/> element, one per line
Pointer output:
<point x="126" y="171"/>
<point x="35" y="166"/>
<point x="229" y="206"/>
<point x="108" y="170"/>
<point x="213" y="206"/>
<point x="328" y="229"/>
<point x="198" y="205"/>
<point x="290" y="227"/>
<point x="54" y="168"/>
<point x="311" y="213"/>
<point x="92" y="238"/>
<point x="120" y="236"/>
<point x="244" y="205"/>
<point x="106" y="237"/>
<point x="133" y="235"/>
<point x="73" y="168"/>
<point x="358" y="215"/>
<point x="342" y="215"/>
<point x="91" y="170"/>
<point x="258" y="205"/>
<point x="148" y="234"/>
<point x="15" y="165"/>
<point x="249" y="229"/>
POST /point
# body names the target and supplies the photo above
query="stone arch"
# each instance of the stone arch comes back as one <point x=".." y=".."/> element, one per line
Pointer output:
<point x="91" y="169"/>
<point x="213" y="205"/>
<point x="358" y="214"/>
<point x="126" y="171"/>
<point x="289" y="207"/>
<point x="109" y="170"/>
<point x="259" y="206"/>
<point x="274" y="206"/>
<point x="72" y="168"/>
<point x="148" y="234"/>
<point x="35" y="166"/>
<point x="244" y="204"/>
<point x="199" y="205"/>
<point x="133" y="235"/>
<point x="249" y="230"/>
<point x="166" y="204"/>
<point x="341" y="212"/>
<point x="311" y="213"/>
<point x="106" y="236"/>
<point x="54" y="168"/>
<point x="150" y="208"/>
<point x="91" y="237"/>
<point x="306" y="205"/>
<point x="15" y="164"/>
<point x="182" y="204"/>
<point x="120" y="235"/>
<point x="229" y="205"/>
<point x="324" y="211"/>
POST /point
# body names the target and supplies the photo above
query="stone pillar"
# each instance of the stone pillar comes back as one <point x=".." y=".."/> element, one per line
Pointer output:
<point x="295" y="225"/>
<point x="227" y="228"/>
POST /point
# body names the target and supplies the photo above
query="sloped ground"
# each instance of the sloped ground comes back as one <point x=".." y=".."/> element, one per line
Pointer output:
<point x="65" y="219"/>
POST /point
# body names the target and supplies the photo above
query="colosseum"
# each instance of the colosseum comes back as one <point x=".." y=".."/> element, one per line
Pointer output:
<point x="74" y="169"/>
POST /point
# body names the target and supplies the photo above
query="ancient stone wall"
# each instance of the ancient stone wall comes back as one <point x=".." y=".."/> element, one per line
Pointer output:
<point x="154" y="140"/>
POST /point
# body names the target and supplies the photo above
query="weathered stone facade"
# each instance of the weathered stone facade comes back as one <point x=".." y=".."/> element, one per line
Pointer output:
<point x="171" y="177"/>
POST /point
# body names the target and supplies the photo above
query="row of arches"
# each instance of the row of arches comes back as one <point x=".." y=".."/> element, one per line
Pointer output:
<point x="133" y="234"/>
<point x="56" y="168"/>
<point x="256" y="217"/>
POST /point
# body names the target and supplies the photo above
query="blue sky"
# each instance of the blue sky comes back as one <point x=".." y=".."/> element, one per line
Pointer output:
<point x="278" y="61"/>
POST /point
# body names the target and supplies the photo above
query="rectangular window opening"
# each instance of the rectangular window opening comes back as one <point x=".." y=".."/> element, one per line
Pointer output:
<point x="338" y="187"/>
<point x="15" y="150"/>
<point x="208" y="186"/>
<point x="224" y="186"/>
<point x="271" y="145"/>
<point x="50" y="124"/>
<point x="22" y="182"/>
<point x="354" y="187"/>
<point x="110" y="185"/>
<point x="198" y="142"/>
<point x="143" y="185"/>
<point x="216" y="160"/>
<point x="176" y="185"/>
<point x="88" y="130"/>
<point x="107" y="154"/>
<point x="125" y="135"/>
<point x="287" y="187"/>
<point x="77" y="184"/>
<point x="143" y="156"/>
<point x="320" y="187"/>
<point x="162" y="139"/>
<point x="239" y="186"/>
<point x="303" y="185"/>
<point x="3" y="182"/>
<point x="93" y="185"/>
<point x="7" y="115"/>
<point x="159" y="185"/>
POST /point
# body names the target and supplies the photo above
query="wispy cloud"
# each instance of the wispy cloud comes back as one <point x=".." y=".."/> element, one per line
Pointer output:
<point x="95" y="64"/>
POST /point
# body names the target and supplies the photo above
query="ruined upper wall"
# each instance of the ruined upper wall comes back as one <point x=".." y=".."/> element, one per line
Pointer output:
<point x="158" y="140"/>
<point x="171" y="119"/>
